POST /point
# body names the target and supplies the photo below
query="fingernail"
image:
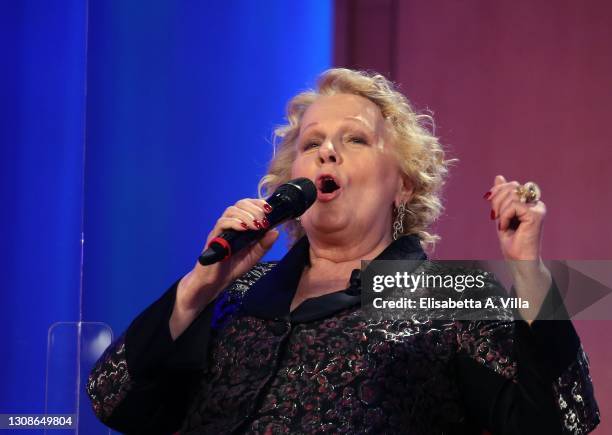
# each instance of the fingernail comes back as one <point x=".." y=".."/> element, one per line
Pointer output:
<point x="267" y="208"/>
<point x="487" y="195"/>
<point x="257" y="224"/>
<point x="243" y="225"/>
<point x="265" y="222"/>
<point x="492" y="214"/>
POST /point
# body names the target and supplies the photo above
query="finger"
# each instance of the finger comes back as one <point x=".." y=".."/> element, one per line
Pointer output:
<point x="223" y="224"/>
<point x="498" y="183"/>
<point x="506" y="192"/>
<point x="499" y="179"/>
<point x="505" y="202"/>
<point x="255" y="206"/>
<point x="264" y="204"/>
<point x="230" y="223"/>
<point x="510" y="210"/>
<point x="249" y="219"/>
<point x="261" y="247"/>
<point x="256" y="209"/>
<point x="268" y="240"/>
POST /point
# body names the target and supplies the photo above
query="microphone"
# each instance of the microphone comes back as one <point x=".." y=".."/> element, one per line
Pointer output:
<point x="289" y="201"/>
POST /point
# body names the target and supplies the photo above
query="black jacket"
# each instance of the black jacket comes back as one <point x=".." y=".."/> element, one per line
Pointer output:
<point x="247" y="364"/>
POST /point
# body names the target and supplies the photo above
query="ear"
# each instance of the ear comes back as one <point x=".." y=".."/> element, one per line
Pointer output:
<point x="404" y="191"/>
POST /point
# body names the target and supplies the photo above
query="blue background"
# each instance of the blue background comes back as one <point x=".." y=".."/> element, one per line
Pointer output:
<point x="132" y="125"/>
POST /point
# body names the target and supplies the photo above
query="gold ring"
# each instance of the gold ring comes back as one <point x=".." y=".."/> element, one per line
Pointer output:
<point x="529" y="192"/>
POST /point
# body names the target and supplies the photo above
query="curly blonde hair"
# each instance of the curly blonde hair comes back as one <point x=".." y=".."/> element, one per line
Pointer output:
<point x="419" y="153"/>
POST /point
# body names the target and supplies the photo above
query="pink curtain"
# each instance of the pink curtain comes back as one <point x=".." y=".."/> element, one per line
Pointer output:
<point x="522" y="89"/>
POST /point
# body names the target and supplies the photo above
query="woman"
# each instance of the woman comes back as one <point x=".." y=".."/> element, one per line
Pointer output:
<point x="246" y="346"/>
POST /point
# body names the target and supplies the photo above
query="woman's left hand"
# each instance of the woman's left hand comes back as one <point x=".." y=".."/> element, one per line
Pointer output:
<point x="519" y="224"/>
<point x="519" y="230"/>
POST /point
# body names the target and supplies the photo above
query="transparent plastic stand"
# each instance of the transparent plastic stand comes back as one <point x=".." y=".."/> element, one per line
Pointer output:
<point x="72" y="350"/>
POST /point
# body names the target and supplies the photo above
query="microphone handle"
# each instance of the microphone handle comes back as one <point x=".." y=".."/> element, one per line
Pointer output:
<point x="238" y="239"/>
<point x="231" y="241"/>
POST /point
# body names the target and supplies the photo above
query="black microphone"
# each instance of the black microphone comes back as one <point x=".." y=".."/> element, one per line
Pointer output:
<point x="289" y="201"/>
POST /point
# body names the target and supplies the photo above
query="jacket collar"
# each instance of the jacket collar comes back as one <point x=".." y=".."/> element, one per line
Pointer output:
<point x="271" y="296"/>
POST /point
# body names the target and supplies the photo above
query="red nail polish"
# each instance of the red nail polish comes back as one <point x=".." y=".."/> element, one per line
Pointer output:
<point x="492" y="214"/>
<point x="267" y="208"/>
<point x="265" y="222"/>
<point x="243" y="225"/>
<point x="487" y="195"/>
<point x="257" y="224"/>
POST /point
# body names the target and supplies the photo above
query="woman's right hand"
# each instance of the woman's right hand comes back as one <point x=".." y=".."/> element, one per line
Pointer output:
<point x="203" y="283"/>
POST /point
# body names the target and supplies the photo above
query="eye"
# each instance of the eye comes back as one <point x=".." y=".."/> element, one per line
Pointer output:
<point x="309" y="145"/>
<point x="358" y="139"/>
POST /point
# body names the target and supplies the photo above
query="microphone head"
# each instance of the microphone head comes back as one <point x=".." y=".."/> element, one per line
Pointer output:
<point x="288" y="201"/>
<point x="302" y="193"/>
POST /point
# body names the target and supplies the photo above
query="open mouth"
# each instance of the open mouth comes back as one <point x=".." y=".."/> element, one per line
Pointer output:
<point x="327" y="184"/>
<point x="328" y="188"/>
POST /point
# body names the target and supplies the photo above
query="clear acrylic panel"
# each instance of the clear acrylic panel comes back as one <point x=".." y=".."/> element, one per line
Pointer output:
<point x="72" y="350"/>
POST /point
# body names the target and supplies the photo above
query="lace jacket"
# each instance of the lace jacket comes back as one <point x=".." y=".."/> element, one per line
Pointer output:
<point x="248" y="365"/>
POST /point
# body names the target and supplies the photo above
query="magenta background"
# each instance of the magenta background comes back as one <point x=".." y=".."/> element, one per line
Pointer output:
<point x="522" y="89"/>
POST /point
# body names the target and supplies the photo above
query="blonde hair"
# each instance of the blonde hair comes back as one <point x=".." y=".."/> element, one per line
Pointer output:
<point x="418" y="152"/>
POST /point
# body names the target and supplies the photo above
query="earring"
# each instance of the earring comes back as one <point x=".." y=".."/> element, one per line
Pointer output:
<point x="398" y="224"/>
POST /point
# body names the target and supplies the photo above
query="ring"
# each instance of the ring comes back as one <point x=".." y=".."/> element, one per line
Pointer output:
<point x="529" y="192"/>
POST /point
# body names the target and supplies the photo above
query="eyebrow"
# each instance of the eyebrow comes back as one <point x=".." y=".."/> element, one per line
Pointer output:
<point x="359" y="120"/>
<point x="312" y="123"/>
<point x="348" y="118"/>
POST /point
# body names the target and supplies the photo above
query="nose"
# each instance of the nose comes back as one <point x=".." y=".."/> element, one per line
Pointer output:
<point x="328" y="153"/>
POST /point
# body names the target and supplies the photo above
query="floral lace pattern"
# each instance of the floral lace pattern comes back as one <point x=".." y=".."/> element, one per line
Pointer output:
<point x="109" y="382"/>
<point x="574" y="392"/>
<point x="231" y="299"/>
<point x="342" y="374"/>
<point x="241" y="362"/>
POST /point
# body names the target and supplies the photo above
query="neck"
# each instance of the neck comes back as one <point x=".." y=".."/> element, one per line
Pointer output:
<point x="351" y="252"/>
